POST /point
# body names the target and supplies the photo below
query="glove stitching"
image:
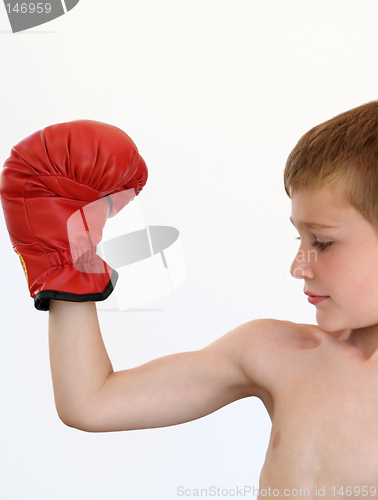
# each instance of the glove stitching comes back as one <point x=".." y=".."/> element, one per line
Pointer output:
<point x="22" y="158"/>
<point x="85" y="184"/>
<point x="27" y="213"/>
<point x="47" y="151"/>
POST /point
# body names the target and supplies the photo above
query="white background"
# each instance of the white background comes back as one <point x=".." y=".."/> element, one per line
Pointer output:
<point x="215" y="94"/>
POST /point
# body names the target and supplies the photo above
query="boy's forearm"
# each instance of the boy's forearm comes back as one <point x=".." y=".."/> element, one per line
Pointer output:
<point x="79" y="362"/>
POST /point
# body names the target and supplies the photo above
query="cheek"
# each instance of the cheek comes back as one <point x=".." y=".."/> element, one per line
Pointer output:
<point x="361" y="276"/>
<point x="332" y="267"/>
<point x="342" y="274"/>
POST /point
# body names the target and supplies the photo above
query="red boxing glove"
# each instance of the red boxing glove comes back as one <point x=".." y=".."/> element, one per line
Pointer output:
<point x="48" y="177"/>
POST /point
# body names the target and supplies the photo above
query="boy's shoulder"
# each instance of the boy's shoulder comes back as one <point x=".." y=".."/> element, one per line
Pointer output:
<point x="265" y="355"/>
<point x="282" y="334"/>
<point x="268" y="353"/>
<point x="273" y="350"/>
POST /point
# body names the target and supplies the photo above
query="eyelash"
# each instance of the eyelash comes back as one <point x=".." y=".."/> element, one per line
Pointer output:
<point x="322" y="245"/>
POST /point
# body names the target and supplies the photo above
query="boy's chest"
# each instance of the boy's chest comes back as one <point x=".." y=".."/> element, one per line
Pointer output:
<point x="325" y="423"/>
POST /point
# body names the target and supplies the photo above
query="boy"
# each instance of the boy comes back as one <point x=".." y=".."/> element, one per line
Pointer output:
<point x="319" y="384"/>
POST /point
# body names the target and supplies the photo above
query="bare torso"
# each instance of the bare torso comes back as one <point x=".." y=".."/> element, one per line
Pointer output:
<point x="324" y="438"/>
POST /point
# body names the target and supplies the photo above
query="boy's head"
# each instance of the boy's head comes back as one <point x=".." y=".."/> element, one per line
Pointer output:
<point x="341" y="152"/>
<point x="331" y="177"/>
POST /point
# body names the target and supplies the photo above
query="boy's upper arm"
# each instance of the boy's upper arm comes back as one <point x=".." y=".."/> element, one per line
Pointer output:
<point x="186" y="386"/>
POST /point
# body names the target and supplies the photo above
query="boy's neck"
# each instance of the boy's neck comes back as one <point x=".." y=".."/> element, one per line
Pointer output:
<point x="365" y="339"/>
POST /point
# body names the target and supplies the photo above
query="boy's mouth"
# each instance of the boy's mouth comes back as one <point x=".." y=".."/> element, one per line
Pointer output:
<point x="315" y="299"/>
<point x="310" y="294"/>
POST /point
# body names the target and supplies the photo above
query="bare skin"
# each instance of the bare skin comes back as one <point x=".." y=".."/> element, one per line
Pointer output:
<point x="324" y="426"/>
<point x="319" y="384"/>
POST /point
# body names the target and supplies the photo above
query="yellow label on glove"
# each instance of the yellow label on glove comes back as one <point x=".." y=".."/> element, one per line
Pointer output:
<point x="24" y="267"/>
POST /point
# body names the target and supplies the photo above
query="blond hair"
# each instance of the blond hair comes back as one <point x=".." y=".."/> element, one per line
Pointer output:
<point x="342" y="151"/>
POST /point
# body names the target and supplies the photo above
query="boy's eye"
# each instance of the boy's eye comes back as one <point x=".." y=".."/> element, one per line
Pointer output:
<point x="322" y="245"/>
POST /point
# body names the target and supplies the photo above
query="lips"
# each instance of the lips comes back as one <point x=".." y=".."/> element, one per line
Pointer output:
<point x="310" y="294"/>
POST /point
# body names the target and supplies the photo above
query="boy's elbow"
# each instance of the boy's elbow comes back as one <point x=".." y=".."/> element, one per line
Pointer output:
<point x="87" y="421"/>
<point x="72" y="420"/>
<point x="79" y="420"/>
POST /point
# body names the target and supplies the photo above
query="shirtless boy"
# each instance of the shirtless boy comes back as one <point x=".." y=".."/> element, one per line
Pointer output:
<point x="319" y="384"/>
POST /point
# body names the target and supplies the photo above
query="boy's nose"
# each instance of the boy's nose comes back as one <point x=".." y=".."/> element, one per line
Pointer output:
<point x="300" y="268"/>
<point x="296" y="271"/>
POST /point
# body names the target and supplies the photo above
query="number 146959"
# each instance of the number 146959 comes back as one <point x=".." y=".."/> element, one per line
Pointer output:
<point x="31" y="8"/>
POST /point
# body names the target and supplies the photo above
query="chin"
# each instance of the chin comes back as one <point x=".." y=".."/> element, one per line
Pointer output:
<point x="334" y="327"/>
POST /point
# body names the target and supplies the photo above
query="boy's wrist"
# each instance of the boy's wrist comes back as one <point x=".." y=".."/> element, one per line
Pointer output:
<point x="65" y="304"/>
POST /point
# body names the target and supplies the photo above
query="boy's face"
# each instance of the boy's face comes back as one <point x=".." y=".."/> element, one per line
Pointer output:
<point x="340" y="262"/>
